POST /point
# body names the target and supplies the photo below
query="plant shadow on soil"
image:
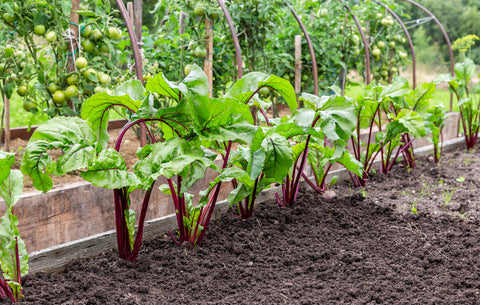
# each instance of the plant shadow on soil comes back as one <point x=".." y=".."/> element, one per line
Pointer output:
<point x="355" y="249"/>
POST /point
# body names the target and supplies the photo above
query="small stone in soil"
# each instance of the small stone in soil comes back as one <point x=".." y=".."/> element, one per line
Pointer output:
<point x="329" y="195"/>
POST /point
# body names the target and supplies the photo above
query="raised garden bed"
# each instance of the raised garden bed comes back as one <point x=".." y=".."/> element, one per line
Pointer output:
<point x="364" y="246"/>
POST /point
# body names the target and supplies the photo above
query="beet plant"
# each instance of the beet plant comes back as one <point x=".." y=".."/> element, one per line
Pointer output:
<point x="333" y="117"/>
<point x="266" y="155"/>
<point x="417" y="100"/>
<point x="386" y="142"/>
<point x="13" y="252"/>
<point x="467" y="98"/>
<point x="435" y="119"/>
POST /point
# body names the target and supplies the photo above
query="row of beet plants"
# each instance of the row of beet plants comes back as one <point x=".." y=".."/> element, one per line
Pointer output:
<point x="190" y="133"/>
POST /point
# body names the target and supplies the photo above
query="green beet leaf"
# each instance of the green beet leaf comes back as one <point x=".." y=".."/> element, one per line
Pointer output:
<point x="278" y="158"/>
<point x="159" y="84"/>
<point x="108" y="170"/>
<point x="95" y="111"/>
<point x="244" y="89"/>
<point x="72" y="135"/>
<point x="175" y="156"/>
<point x="10" y="190"/>
<point x="6" y="161"/>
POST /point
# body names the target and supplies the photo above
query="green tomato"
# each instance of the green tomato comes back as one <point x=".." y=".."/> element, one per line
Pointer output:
<point x="187" y="69"/>
<point x="199" y="11"/>
<point x="14" y="77"/>
<point x="200" y="52"/>
<point x="103" y="78"/>
<point x="72" y="79"/>
<point x="22" y="90"/>
<point x="379" y="16"/>
<point x="393" y="70"/>
<point x="114" y="33"/>
<point x="96" y="34"/>
<point x="87" y="73"/>
<point x="88" y="45"/>
<point x="81" y="63"/>
<point x="323" y="12"/>
<point x="392" y="44"/>
<point x="71" y="91"/>
<point x="355" y="39"/>
<point x="52" y="88"/>
<point x="59" y="97"/>
<point x="402" y="54"/>
<point x="39" y="29"/>
<point x="264" y="91"/>
<point x="381" y="44"/>
<point x="376" y="52"/>
<point x="51" y="36"/>
<point x="86" y="31"/>
<point x="2" y="67"/>
<point x="9" y="18"/>
<point x="28" y="105"/>
<point x="384" y="22"/>
<point x="99" y="89"/>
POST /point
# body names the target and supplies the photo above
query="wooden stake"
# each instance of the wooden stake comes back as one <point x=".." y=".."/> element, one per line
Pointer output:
<point x="181" y="22"/>
<point x="298" y="64"/>
<point x="208" y="62"/>
<point x="138" y="20"/>
<point x="7" y="124"/>
<point x="74" y="30"/>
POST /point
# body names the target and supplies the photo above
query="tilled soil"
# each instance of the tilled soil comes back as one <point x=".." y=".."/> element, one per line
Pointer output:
<point x="364" y="247"/>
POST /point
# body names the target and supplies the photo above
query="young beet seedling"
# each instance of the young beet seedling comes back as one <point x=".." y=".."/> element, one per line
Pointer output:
<point x="13" y="253"/>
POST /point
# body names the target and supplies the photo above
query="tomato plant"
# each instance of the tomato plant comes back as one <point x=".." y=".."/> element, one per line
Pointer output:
<point x="42" y="65"/>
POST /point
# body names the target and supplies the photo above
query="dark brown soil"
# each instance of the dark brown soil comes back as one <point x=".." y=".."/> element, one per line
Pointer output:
<point x="364" y="247"/>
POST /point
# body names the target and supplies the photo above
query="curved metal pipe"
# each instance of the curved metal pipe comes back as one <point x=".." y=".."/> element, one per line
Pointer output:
<point x="409" y="38"/>
<point x="236" y="43"/>
<point x="133" y="40"/>
<point x="310" y="48"/>
<point x="366" y="45"/>
<point x="447" y="39"/>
